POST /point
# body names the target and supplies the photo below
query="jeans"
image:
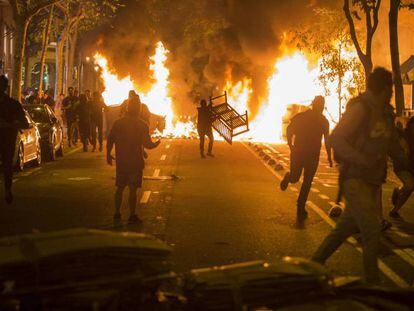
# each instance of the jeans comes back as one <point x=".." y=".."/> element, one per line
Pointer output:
<point x="7" y="150"/>
<point x="308" y="163"/>
<point x="209" y="133"/>
<point x="361" y="214"/>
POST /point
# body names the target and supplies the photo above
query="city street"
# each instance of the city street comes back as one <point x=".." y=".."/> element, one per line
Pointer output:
<point x="217" y="211"/>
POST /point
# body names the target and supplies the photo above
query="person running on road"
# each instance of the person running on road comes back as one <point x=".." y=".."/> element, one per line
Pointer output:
<point x="204" y="127"/>
<point x="304" y="136"/>
<point x="69" y="107"/>
<point x="12" y="119"/>
<point x="362" y="141"/>
<point x="83" y="112"/>
<point x="97" y="107"/>
<point x="401" y="195"/>
<point x="130" y="135"/>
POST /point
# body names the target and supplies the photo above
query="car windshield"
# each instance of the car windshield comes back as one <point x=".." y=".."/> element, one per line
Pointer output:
<point x="38" y="114"/>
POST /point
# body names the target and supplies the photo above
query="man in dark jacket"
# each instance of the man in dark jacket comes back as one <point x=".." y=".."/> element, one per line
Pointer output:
<point x="130" y="135"/>
<point x="97" y="107"/>
<point x="69" y="107"/>
<point x="363" y="140"/>
<point x="12" y="119"/>
<point x="304" y="136"/>
<point x="204" y="127"/>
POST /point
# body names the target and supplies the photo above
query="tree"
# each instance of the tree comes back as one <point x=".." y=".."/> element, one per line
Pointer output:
<point x="45" y="43"/>
<point x="370" y="9"/>
<point x="23" y="12"/>
<point x="328" y="38"/>
<point x="395" y="6"/>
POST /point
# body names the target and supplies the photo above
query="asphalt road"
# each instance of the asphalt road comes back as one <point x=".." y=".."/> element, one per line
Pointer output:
<point x="220" y="210"/>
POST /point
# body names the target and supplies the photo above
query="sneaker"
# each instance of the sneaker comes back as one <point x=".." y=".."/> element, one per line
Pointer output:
<point x="203" y="156"/>
<point x="285" y="182"/>
<point x="133" y="220"/>
<point x="395" y="215"/>
<point x="8" y="197"/>
<point x="385" y="225"/>
<point x="210" y="155"/>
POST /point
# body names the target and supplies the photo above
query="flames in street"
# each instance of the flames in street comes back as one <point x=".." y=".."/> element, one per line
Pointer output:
<point x="293" y="82"/>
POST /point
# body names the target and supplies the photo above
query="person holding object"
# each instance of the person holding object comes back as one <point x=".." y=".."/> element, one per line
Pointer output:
<point x="362" y="141"/>
<point x="130" y="135"/>
<point x="205" y="128"/>
<point x="12" y="119"/>
<point x="304" y="136"/>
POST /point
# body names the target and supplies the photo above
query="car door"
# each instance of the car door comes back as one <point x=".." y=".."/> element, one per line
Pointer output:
<point x="30" y="143"/>
<point x="56" y="127"/>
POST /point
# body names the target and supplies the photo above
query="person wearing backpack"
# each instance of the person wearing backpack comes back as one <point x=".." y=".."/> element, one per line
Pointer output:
<point x="362" y="141"/>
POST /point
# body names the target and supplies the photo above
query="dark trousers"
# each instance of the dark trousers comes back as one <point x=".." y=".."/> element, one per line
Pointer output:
<point x="97" y="126"/>
<point x="69" y="122"/>
<point x="203" y="133"/>
<point x="308" y="163"/>
<point x="7" y="150"/>
<point x="85" y="132"/>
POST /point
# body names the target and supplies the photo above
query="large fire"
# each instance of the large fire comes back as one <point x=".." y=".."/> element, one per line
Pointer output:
<point x="293" y="82"/>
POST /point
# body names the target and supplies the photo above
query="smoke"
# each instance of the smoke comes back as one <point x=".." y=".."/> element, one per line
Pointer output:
<point x="210" y="42"/>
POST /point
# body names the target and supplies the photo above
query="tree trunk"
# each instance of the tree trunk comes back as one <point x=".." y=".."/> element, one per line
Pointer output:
<point x="59" y="62"/>
<point x="20" y="33"/>
<point x="71" y="55"/>
<point x="45" y="44"/>
<point x="395" y="55"/>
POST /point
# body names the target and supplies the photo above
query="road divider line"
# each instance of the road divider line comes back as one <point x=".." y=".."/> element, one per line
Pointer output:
<point x="315" y="190"/>
<point x="167" y="147"/>
<point x="394" y="277"/>
<point x="163" y="157"/>
<point x="324" y="197"/>
<point x="73" y="151"/>
<point x="156" y="172"/>
<point x="145" y="197"/>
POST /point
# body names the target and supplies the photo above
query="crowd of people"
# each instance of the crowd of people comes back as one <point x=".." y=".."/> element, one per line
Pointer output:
<point x="362" y="142"/>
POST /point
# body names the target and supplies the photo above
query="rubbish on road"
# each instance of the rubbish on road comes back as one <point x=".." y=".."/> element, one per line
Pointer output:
<point x="227" y="121"/>
<point x="335" y="211"/>
<point x="162" y="178"/>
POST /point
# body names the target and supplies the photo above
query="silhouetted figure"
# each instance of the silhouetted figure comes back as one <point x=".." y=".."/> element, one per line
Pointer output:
<point x="35" y="98"/>
<point x="83" y="112"/>
<point x="204" y="127"/>
<point x="97" y="107"/>
<point x="48" y="100"/>
<point x="401" y="195"/>
<point x="69" y="108"/>
<point x="12" y="119"/>
<point x="88" y="95"/>
<point x="304" y="136"/>
<point x="362" y="141"/>
<point x="130" y="135"/>
<point x="124" y="105"/>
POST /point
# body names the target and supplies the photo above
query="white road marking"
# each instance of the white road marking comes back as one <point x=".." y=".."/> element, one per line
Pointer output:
<point x="328" y="186"/>
<point x="79" y="178"/>
<point x="167" y="147"/>
<point x="145" y="197"/>
<point x="324" y="197"/>
<point x="163" y="157"/>
<point x="394" y="277"/>
<point x="156" y="173"/>
<point x="315" y="190"/>
<point x="73" y="151"/>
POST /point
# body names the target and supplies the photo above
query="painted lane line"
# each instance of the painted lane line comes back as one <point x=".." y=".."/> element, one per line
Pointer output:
<point x="156" y="172"/>
<point x="315" y="190"/>
<point x="328" y="186"/>
<point x="145" y="197"/>
<point x="73" y="151"/>
<point x="163" y="157"/>
<point x="394" y="277"/>
<point x="167" y="147"/>
<point x="324" y="197"/>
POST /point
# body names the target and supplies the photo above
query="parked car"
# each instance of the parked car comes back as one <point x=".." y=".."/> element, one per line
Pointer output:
<point x="28" y="147"/>
<point x="50" y="129"/>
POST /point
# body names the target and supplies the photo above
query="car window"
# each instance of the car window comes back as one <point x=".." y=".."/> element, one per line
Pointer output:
<point x="39" y="114"/>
